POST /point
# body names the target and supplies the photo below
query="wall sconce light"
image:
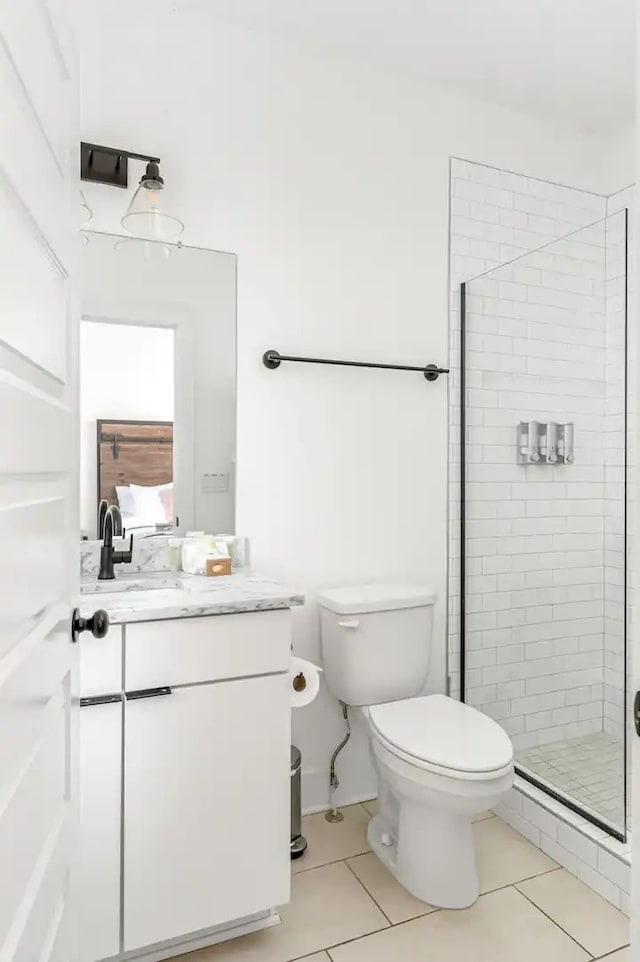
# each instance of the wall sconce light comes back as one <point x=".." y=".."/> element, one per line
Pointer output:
<point x="145" y="216"/>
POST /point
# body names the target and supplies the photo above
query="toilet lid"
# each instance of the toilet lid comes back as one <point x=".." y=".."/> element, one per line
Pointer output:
<point x="438" y="730"/>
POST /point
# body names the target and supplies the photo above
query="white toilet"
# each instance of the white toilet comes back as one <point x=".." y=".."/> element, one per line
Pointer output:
<point x="439" y="762"/>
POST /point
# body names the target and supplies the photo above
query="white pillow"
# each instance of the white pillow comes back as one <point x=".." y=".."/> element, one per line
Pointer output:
<point x="147" y="503"/>
<point x="125" y="499"/>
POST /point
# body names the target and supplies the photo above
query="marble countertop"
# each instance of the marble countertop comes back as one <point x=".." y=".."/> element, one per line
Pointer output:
<point x="163" y="595"/>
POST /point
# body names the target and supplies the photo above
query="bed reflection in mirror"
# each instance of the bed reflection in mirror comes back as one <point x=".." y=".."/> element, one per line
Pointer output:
<point x="157" y="386"/>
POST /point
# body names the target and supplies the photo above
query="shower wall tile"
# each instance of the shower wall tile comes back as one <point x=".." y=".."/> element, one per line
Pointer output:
<point x="536" y="350"/>
<point x="587" y="852"/>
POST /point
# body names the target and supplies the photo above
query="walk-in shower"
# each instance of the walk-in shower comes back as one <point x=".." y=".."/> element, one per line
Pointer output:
<point x="544" y="513"/>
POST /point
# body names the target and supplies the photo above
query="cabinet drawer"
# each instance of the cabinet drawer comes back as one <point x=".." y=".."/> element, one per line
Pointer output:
<point x="101" y="663"/>
<point x="188" y="650"/>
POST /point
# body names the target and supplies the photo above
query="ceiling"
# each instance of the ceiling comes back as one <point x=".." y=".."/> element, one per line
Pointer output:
<point x="563" y="61"/>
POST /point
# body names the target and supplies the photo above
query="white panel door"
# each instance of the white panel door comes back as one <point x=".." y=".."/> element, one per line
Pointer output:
<point x="38" y="490"/>
<point x="206" y="807"/>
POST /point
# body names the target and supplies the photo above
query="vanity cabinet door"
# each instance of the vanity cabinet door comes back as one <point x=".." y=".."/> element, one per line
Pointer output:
<point x="98" y="849"/>
<point x="101" y="662"/>
<point x="206" y="806"/>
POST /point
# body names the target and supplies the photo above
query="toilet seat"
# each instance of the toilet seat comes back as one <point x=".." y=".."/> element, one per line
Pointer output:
<point x="441" y="735"/>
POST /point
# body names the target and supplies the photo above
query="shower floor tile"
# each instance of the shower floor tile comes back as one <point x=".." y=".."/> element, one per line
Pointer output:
<point x="589" y="769"/>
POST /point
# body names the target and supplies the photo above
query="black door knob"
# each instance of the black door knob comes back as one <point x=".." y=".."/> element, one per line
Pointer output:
<point x="97" y="624"/>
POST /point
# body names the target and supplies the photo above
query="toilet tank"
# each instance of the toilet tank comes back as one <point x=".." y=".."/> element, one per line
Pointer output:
<point x="376" y="641"/>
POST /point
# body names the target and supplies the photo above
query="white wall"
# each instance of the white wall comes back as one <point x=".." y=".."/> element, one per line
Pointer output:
<point x="125" y="372"/>
<point x="330" y="182"/>
<point x="618" y="162"/>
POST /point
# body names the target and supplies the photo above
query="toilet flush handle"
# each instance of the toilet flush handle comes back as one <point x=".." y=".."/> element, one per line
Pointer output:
<point x="351" y="623"/>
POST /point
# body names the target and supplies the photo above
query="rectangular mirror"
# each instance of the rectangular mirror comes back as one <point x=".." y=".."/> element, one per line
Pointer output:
<point x="157" y="385"/>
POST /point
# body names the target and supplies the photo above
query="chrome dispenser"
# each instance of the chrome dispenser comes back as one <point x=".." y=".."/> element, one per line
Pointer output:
<point x="545" y="443"/>
<point x="552" y="442"/>
<point x="529" y="442"/>
<point x="565" y="443"/>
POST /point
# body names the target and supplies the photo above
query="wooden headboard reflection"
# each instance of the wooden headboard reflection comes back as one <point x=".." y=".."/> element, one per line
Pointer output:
<point x="133" y="452"/>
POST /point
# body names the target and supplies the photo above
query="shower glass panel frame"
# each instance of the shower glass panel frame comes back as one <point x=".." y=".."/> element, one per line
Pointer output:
<point x="512" y="682"/>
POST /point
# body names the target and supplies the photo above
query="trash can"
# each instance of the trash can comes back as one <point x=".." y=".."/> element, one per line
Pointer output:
<point x="298" y="841"/>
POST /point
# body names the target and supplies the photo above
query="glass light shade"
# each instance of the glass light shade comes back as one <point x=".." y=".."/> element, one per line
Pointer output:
<point x="150" y="251"/>
<point x="145" y="216"/>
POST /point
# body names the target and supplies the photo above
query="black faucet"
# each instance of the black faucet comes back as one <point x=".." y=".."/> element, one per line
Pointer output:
<point x="116" y="514"/>
<point x="103" y="507"/>
<point x="108" y="556"/>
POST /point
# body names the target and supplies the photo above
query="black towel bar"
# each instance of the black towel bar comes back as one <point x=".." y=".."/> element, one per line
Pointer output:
<point x="272" y="360"/>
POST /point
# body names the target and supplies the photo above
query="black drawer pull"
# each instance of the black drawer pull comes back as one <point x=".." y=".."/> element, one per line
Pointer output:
<point x="147" y="693"/>
<point x="100" y="700"/>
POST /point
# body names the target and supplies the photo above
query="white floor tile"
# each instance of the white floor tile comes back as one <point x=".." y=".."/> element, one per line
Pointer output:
<point x="329" y="906"/>
<point x="483" y="816"/>
<point x="592" y="922"/>
<point x="501" y="927"/>
<point x="333" y="841"/>
<point x="394" y="900"/>
<point x="505" y="857"/>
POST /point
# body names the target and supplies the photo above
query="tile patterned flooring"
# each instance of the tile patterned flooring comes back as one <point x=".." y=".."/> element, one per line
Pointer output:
<point x="589" y="769"/>
<point x="346" y="907"/>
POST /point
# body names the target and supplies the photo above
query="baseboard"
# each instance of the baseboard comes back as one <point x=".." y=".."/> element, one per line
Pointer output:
<point x="315" y="792"/>
<point x="350" y="800"/>
<point x="222" y="933"/>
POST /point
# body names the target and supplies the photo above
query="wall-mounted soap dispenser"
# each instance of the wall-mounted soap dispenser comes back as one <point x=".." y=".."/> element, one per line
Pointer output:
<point x="552" y="442"/>
<point x="565" y="443"/>
<point x="528" y="442"/>
<point x="545" y="443"/>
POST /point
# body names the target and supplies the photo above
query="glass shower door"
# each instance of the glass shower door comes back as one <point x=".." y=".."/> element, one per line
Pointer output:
<point x="543" y="507"/>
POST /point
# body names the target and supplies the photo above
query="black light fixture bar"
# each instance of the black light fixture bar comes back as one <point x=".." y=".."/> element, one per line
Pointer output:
<point x="108" y="165"/>
<point x="272" y="360"/>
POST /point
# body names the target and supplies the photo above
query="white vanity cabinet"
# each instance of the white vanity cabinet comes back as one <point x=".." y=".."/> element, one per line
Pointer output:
<point x="224" y="833"/>
<point x="185" y="810"/>
<point x="101" y="663"/>
<point x="99" y="829"/>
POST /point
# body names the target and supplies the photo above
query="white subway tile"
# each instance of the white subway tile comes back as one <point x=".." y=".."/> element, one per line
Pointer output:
<point x="541" y="225"/>
<point x="615" y="870"/>
<point x="575" y="842"/>
<point x="541" y="818"/>
<point x="596" y="881"/>
<point x="487" y="213"/>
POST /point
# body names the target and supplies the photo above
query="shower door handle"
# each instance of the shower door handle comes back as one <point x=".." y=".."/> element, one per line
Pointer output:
<point x="636" y="712"/>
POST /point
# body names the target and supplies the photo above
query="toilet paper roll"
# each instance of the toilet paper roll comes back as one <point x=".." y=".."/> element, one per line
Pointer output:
<point x="304" y="682"/>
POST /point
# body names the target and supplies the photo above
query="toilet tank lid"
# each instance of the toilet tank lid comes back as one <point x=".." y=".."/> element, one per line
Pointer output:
<point x="383" y="596"/>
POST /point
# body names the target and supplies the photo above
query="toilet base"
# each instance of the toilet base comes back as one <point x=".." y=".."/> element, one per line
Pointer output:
<point x="426" y="819"/>
<point x="433" y="856"/>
